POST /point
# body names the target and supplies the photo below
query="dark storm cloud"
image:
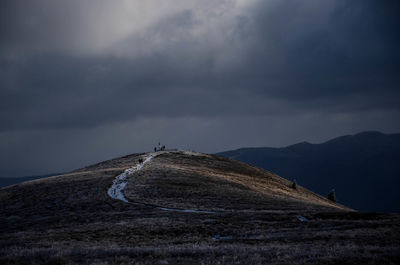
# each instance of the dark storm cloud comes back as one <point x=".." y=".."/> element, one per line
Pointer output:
<point x="72" y="65"/>
<point x="303" y="53"/>
<point x="344" y="49"/>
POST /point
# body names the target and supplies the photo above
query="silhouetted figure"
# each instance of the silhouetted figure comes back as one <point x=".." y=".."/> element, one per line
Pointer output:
<point x="155" y="149"/>
<point x="163" y="148"/>
<point x="332" y="195"/>
<point x="294" y="185"/>
<point x="140" y="160"/>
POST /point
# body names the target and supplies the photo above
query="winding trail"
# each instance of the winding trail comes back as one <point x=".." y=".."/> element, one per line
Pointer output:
<point x="116" y="191"/>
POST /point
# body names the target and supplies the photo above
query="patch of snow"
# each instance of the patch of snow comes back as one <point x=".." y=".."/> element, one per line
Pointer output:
<point x="190" y="152"/>
<point x="219" y="237"/>
<point x="302" y="218"/>
<point x="208" y="221"/>
<point x="116" y="191"/>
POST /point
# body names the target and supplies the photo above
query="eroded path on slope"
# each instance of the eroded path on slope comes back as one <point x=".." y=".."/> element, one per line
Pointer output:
<point x="192" y="182"/>
<point x="116" y="191"/>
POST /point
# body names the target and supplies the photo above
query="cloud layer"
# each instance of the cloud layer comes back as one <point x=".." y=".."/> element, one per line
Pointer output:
<point x="71" y="69"/>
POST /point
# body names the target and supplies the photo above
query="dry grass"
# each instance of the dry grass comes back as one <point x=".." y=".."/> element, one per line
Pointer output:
<point x="212" y="182"/>
<point x="69" y="219"/>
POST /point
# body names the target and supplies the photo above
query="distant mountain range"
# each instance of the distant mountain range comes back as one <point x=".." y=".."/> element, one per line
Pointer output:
<point x="364" y="169"/>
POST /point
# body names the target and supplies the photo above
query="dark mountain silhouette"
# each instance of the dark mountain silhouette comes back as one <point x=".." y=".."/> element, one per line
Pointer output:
<point x="363" y="169"/>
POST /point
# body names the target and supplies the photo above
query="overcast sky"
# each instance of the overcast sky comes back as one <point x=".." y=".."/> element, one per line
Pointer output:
<point x="83" y="81"/>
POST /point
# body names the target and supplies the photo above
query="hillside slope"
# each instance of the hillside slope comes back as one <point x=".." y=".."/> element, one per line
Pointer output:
<point x="184" y="208"/>
<point x="200" y="181"/>
<point x="182" y="180"/>
<point x="362" y="168"/>
<point x="4" y="182"/>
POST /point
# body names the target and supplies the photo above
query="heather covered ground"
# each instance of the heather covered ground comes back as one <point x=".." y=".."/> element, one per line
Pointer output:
<point x="70" y="219"/>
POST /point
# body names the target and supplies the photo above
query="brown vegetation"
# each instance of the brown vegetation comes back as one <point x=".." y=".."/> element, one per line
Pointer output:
<point x="70" y="219"/>
<point x="175" y="179"/>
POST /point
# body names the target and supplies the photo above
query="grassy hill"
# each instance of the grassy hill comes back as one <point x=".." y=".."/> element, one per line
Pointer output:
<point x="11" y="181"/>
<point x="185" y="208"/>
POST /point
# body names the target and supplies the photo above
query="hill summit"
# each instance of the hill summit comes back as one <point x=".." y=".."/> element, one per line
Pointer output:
<point x="183" y="207"/>
<point x="196" y="181"/>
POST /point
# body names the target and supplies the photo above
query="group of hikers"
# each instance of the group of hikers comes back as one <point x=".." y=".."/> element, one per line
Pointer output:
<point x="159" y="148"/>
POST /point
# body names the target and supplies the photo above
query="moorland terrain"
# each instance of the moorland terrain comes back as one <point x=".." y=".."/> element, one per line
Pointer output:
<point x="186" y="208"/>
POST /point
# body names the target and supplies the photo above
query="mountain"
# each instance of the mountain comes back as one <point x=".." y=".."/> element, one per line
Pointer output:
<point x="363" y="169"/>
<point x="184" y="207"/>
